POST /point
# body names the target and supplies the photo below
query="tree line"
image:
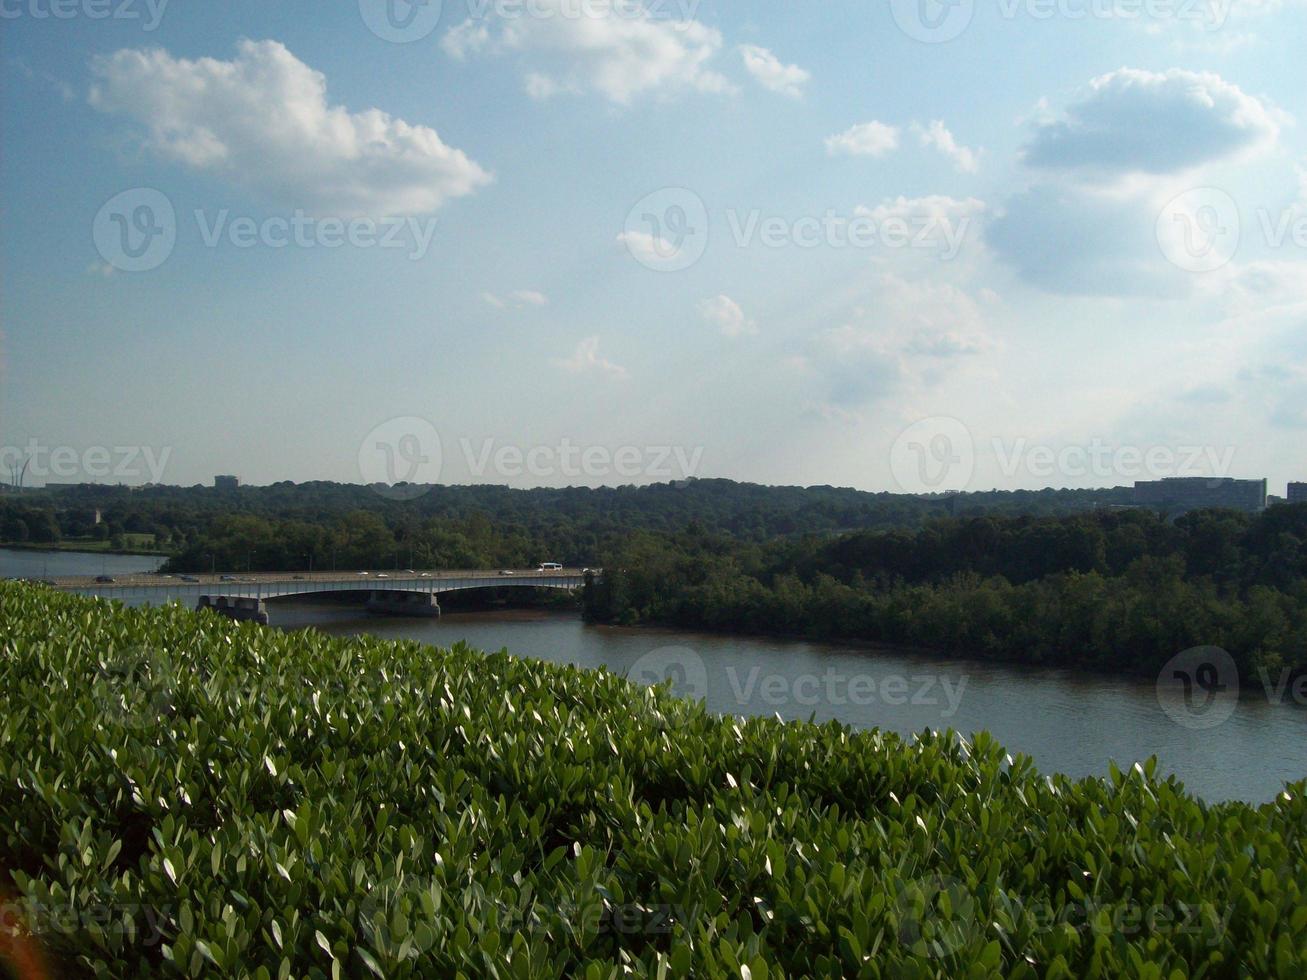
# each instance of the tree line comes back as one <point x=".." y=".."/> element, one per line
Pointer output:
<point x="1121" y="590"/>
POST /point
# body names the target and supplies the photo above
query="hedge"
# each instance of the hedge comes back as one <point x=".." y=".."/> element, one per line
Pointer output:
<point x="184" y="795"/>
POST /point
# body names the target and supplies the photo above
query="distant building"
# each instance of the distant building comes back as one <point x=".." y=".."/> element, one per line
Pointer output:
<point x="1179" y="494"/>
<point x="225" y="483"/>
<point x="1298" y="493"/>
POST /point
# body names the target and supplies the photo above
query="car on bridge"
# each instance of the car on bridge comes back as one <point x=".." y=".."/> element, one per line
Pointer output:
<point x="550" y="566"/>
<point x="105" y="579"/>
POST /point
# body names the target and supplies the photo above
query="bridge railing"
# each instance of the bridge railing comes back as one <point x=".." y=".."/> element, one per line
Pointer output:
<point x="273" y="589"/>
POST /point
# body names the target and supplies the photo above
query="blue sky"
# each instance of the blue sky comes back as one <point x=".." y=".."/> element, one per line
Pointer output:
<point x="896" y="245"/>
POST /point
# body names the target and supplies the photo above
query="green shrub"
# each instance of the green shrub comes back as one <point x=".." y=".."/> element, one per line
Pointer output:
<point x="180" y="794"/>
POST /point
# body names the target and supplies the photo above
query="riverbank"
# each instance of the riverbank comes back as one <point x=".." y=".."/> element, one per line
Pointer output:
<point x="83" y="548"/>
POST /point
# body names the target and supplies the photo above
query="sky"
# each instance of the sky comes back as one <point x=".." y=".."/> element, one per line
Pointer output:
<point x="906" y="245"/>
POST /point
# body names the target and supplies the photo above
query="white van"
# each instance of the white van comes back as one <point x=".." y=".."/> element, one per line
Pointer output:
<point x="550" y="566"/>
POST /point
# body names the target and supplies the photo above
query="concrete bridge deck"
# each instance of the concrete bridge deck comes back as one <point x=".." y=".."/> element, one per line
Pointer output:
<point x="153" y="587"/>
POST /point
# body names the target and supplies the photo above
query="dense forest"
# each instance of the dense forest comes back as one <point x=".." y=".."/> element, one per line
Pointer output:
<point x="1120" y="590"/>
<point x="286" y="525"/>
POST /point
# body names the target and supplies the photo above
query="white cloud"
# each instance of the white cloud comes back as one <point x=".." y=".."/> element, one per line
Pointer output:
<point x="518" y="299"/>
<point x="937" y="224"/>
<point x="769" y="72"/>
<point x="727" y="316"/>
<point x="869" y="139"/>
<point x="934" y="209"/>
<point x="263" y="121"/>
<point x="467" y="38"/>
<point x="966" y="160"/>
<point x="619" y="51"/>
<point x="650" y="250"/>
<point x="913" y="333"/>
<point x="943" y="320"/>
<point x="541" y="87"/>
<point x="1113" y="162"/>
<point x="1140" y="122"/>
<point x="586" y="359"/>
<point x="945" y="344"/>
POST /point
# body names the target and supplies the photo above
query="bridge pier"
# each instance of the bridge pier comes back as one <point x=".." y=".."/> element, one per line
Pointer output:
<point x="390" y="603"/>
<point x="241" y="609"/>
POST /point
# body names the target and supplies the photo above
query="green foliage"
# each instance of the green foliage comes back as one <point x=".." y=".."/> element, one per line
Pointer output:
<point x="182" y="795"/>
<point x="286" y="526"/>
<point x="1119" y="591"/>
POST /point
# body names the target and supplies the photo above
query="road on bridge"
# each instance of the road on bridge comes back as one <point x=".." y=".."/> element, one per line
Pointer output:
<point x="145" y="580"/>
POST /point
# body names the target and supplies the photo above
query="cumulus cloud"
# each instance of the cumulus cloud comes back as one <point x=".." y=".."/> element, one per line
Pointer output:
<point x="937" y="135"/>
<point x="1134" y="121"/>
<point x="771" y="73"/>
<point x="869" y="139"/>
<point x="619" y="51"/>
<point x="262" y="120"/>
<point x="586" y="359"/>
<point x="1111" y="166"/>
<point x="727" y="316"/>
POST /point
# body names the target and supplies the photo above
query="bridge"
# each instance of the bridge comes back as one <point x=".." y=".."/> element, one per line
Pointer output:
<point x="410" y="593"/>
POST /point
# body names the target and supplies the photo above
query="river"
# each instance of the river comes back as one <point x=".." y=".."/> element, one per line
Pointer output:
<point x="21" y="563"/>
<point x="1070" y="722"/>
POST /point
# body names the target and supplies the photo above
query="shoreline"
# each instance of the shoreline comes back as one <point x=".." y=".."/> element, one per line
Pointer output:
<point x="54" y="549"/>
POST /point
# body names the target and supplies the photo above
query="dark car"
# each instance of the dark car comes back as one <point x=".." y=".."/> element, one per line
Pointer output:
<point x="108" y="579"/>
<point x="189" y="578"/>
